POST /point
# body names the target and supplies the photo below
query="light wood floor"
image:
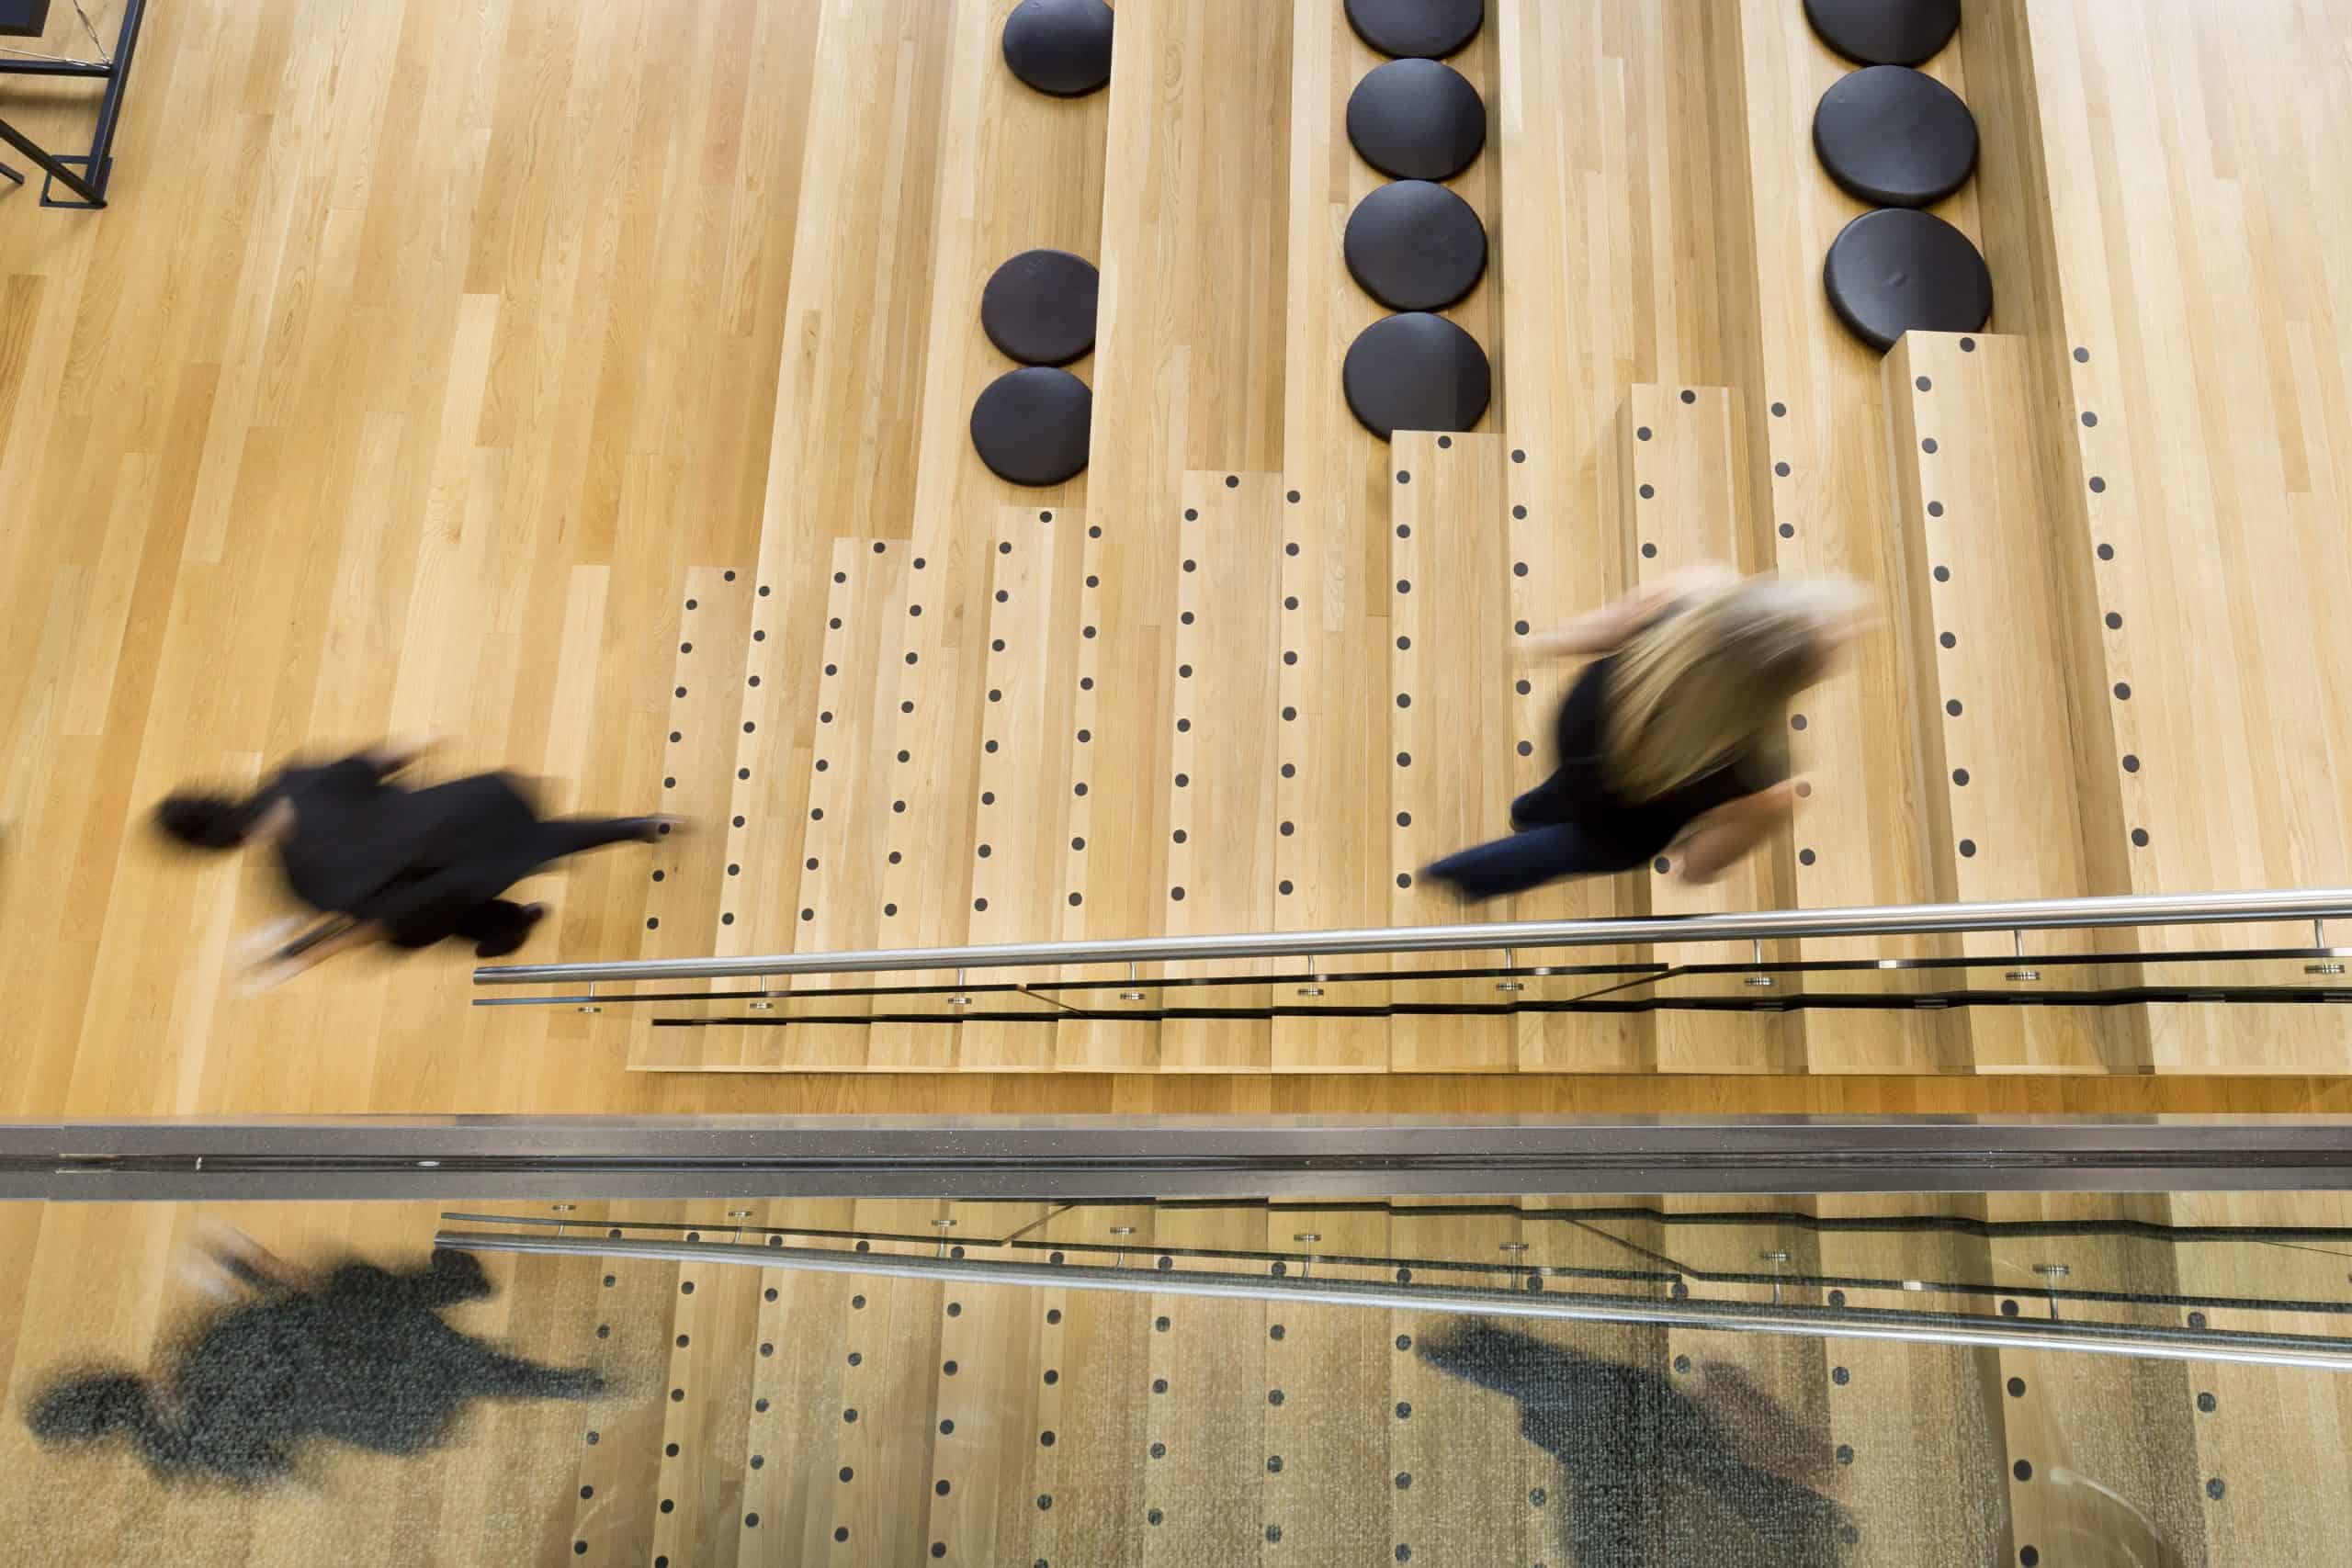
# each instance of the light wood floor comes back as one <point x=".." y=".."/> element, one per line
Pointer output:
<point x="527" y="373"/>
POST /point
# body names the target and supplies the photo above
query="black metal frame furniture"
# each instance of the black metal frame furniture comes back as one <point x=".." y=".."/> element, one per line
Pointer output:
<point x="84" y="175"/>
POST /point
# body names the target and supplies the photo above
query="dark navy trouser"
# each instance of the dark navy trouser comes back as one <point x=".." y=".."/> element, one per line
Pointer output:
<point x="1547" y="848"/>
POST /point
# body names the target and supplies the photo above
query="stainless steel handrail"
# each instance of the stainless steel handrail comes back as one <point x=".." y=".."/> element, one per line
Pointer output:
<point x="2308" y="1352"/>
<point x="1766" y="925"/>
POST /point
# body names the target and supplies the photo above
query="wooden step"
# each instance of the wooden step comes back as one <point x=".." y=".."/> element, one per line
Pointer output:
<point x="1684" y="504"/>
<point x="2194" y="466"/>
<point x="855" y="816"/>
<point x="1029" y="751"/>
<point x="1333" y="768"/>
<point x="1332" y="773"/>
<point x="919" y="869"/>
<point x="1610" y="238"/>
<point x="1110" y="677"/>
<point x="1829" y="497"/>
<point x="1188" y="349"/>
<point x="1220" y="790"/>
<point x="1449" y="722"/>
<point x="688" y="885"/>
<point x="1565" y="558"/>
<point x="1019" y="170"/>
<point x="1994" y="672"/>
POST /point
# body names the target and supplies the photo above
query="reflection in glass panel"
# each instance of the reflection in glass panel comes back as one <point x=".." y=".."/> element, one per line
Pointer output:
<point x="1496" y="1381"/>
<point x="2257" y="1259"/>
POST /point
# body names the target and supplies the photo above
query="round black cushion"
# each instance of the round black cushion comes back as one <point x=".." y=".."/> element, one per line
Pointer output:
<point x="1417" y="372"/>
<point x="1416" y="246"/>
<point x="1895" y="137"/>
<point x="1417" y="119"/>
<point x="1039" y="306"/>
<point x="1031" y="425"/>
<point x="1062" y="47"/>
<point x="1897" y="269"/>
<point x="1885" y="32"/>
<point x="1422" y="29"/>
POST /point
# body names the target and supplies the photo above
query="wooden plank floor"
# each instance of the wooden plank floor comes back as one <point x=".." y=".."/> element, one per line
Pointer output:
<point x="427" y="366"/>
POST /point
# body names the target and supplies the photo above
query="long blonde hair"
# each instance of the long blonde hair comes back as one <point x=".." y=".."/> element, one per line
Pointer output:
<point x="1710" y="679"/>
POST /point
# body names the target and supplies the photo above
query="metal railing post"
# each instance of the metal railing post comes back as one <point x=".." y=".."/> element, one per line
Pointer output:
<point x="1510" y="960"/>
<point x="2017" y="939"/>
<point x="2327" y="964"/>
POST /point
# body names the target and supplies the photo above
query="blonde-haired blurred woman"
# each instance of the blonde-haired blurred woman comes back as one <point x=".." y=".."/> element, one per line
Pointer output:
<point x="1673" y="739"/>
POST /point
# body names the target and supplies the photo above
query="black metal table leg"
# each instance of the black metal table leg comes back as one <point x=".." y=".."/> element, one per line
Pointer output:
<point x="55" y="170"/>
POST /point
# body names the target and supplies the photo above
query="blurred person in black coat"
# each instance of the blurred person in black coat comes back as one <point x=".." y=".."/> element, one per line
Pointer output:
<point x="385" y="862"/>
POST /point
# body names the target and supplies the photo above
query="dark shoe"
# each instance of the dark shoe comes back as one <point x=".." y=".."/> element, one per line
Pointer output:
<point x="532" y="915"/>
<point x="1438" y="881"/>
